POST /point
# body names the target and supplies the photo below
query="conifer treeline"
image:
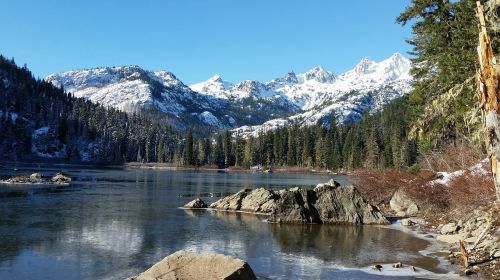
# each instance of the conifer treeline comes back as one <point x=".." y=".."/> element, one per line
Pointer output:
<point x="379" y="140"/>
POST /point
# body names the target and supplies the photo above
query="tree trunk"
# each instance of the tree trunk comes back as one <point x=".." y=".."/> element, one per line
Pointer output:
<point x="488" y="90"/>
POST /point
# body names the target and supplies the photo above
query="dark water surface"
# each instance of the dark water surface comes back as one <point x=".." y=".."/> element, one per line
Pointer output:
<point x="114" y="223"/>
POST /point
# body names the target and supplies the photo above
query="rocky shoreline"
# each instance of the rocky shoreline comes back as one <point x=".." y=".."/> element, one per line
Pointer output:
<point x="37" y="178"/>
<point x="473" y="244"/>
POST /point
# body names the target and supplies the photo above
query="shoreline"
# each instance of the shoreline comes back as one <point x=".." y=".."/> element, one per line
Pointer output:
<point x="5" y="164"/>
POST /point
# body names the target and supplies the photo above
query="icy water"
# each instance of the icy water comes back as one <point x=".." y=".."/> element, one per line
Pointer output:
<point x="114" y="223"/>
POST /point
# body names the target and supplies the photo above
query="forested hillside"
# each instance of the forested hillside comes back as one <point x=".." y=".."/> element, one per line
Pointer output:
<point x="38" y="119"/>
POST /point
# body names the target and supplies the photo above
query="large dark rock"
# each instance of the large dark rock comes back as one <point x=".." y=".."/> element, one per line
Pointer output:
<point x="295" y="206"/>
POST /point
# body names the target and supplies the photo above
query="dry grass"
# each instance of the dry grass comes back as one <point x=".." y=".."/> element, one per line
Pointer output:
<point x="462" y="194"/>
<point x="456" y="156"/>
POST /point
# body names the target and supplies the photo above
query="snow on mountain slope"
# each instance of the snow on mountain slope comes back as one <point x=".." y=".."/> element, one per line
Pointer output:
<point x="306" y="98"/>
<point x="367" y="87"/>
<point x="214" y="86"/>
<point x="130" y="88"/>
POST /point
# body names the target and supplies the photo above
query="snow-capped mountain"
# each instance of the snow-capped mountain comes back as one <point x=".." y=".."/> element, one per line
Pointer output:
<point x="130" y="88"/>
<point x="248" y="106"/>
<point x="317" y="93"/>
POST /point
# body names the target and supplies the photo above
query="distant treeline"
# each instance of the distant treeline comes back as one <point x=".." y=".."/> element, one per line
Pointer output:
<point x="379" y="140"/>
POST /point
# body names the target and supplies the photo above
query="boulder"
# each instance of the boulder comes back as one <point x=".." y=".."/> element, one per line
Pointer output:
<point x="36" y="178"/>
<point x="407" y="222"/>
<point x="186" y="265"/>
<point x="412" y="210"/>
<point x="400" y="202"/>
<point x="196" y="204"/>
<point x="295" y="206"/>
<point x="344" y="204"/>
<point x="331" y="183"/>
<point x="449" y="228"/>
<point x="60" y="178"/>
<point x="397" y="265"/>
<point x="18" y="180"/>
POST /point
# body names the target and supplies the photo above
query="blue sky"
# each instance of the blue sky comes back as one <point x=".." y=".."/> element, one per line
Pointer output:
<point x="257" y="39"/>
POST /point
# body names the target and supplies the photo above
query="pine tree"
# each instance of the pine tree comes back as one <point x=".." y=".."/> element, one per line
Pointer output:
<point x="247" y="153"/>
<point x="372" y="149"/>
<point x="188" y="149"/>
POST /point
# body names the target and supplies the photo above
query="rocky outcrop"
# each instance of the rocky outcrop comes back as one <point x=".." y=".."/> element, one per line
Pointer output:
<point x="61" y="178"/>
<point x="186" y="265"/>
<point x="402" y="204"/>
<point x="196" y="204"/>
<point x="328" y="203"/>
<point x="37" y="178"/>
<point x="258" y="201"/>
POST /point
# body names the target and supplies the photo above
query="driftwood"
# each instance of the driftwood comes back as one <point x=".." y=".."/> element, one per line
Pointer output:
<point x="464" y="254"/>
<point x="488" y="91"/>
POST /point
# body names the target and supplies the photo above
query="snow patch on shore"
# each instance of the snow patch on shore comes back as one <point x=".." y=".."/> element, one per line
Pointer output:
<point x="444" y="178"/>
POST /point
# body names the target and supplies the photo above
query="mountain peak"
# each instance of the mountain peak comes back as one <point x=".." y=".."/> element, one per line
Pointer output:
<point x="291" y="78"/>
<point x="319" y="74"/>
<point x="363" y="65"/>
<point x="215" y="78"/>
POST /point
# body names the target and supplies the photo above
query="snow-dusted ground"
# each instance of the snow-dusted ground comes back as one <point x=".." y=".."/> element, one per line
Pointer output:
<point x="444" y="178"/>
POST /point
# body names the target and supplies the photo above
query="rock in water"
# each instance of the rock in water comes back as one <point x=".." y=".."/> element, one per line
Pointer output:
<point x="60" y="178"/>
<point x="344" y="204"/>
<point x="186" y="265"/>
<point x="36" y="178"/>
<point x="196" y="204"/>
<point x="397" y="265"/>
<point x="328" y="203"/>
<point x="232" y="202"/>
<point x="259" y="201"/>
<point x="377" y="267"/>
<point x="295" y="206"/>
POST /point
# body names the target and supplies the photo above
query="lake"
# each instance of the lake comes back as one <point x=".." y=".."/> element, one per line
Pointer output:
<point x="111" y="223"/>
